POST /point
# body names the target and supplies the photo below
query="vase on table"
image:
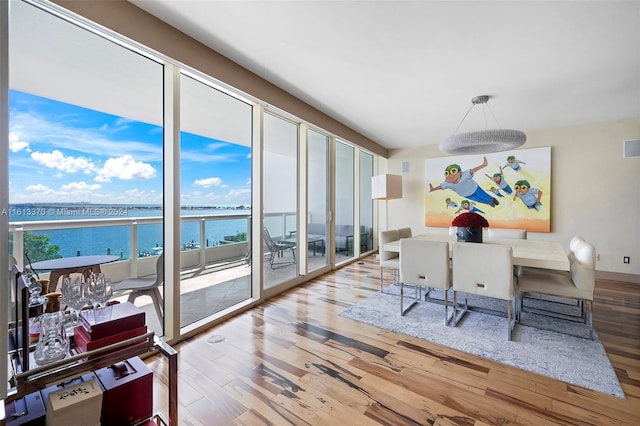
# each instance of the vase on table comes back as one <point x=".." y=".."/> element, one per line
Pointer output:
<point x="469" y="235"/>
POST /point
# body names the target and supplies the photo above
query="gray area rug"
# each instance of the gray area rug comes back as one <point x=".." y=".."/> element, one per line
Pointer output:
<point x="575" y="360"/>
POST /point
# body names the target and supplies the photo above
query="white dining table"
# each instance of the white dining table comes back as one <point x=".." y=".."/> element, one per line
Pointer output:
<point x="532" y="253"/>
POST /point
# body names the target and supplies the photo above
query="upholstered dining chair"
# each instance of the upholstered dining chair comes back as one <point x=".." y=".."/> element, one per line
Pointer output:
<point x="145" y="287"/>
<point x="388" y="259"/>
<point x="507" y="234"/>
<point x="424" y="264"/>
<point x="404" y="233"/>
<point x="578" y="284"/>
<point x="485" y="270"/>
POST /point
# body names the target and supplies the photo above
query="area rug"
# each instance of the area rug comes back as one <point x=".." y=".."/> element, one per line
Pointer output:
<point x="575" y="360"/>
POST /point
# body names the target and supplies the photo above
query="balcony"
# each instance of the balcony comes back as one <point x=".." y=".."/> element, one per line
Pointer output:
<point x="215" y="272"/>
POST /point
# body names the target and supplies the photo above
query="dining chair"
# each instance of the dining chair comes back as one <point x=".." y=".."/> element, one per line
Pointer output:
<point x="507" y="234"/>
<point x="578" y="284"/>
<point x="424" y="263"/>
<point x="484" y="270"/>
<point x="404" y="233"/>
<point x="145" y="287"/>
<point x="388" y="259"/>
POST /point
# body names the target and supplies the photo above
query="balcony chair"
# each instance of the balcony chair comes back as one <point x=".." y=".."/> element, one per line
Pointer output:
<point x="404" y="232"/>
<point x="145" y="287"/>
<point x="578" y="284"/>
<point x="424" y="263"/>
<point x="388" y="259"/>
<point x="277" y="249"/>
<point x="485" y="270"/>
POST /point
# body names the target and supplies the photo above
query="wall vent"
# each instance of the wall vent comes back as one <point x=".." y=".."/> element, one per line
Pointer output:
<point x="631" y="148"/>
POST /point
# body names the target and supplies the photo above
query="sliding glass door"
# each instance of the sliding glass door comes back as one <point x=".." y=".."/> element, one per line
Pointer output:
<point x="86" y="150"/>
<point x="317" y="200"/>
<point x="280" y="200"/>
<point x="215" y="198"/>
<point x="344" y="202"/>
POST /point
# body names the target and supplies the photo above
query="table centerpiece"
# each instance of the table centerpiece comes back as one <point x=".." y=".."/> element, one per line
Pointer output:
<point x="470" y="226"/>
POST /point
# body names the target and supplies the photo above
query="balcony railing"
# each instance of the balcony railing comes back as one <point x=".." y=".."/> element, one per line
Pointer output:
<point x="196" y="253"/>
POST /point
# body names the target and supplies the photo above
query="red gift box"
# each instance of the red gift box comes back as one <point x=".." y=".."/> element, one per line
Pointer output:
<point x="128" y="392"/>
<point x="84" y="343"/>
<point x="113" y="319"/>
<point x="28" y="410"/>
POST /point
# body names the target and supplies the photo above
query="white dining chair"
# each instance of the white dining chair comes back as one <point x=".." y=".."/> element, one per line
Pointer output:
<point x="578" y="284"/>
<point x="507" y="234"/>
<point x="485" y="270"/>
<point x="424" y="263"/>
<point x="388" y="259"/>
<point x="404" y="232"/>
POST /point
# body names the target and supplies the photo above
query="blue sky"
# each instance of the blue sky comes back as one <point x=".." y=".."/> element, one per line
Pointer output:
<point x="65" y="153"/>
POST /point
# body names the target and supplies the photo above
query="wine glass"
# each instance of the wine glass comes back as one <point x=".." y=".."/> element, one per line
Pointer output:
<point x="99" y="290"/>
<point x="73" y="294"/>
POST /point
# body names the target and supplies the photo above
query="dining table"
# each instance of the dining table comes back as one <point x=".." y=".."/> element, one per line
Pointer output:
<point x="546" y="254"/>
<point x="63" y="266"/>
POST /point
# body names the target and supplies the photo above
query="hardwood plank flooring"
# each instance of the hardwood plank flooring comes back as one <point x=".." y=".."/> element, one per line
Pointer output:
<point x="294" y="361"/>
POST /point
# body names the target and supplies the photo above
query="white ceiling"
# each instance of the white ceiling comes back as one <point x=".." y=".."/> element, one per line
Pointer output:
<point x="403" y="73"/>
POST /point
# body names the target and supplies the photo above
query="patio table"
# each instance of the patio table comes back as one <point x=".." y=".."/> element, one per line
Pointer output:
<point x="64" y="266"/>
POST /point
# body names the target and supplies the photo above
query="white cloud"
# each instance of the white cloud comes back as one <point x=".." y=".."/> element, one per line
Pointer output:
<point x="209" y="182"/>
<point x="125" y="168"/>
<point x="15" y="144"/>
<point x="57" y="160"/>
<point x="238" y="192"/>
<point x="80" y="186"/>
<point x="39" y="189"/>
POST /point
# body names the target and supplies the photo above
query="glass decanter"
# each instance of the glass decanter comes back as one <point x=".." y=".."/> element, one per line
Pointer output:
<point x="53" y="344"/>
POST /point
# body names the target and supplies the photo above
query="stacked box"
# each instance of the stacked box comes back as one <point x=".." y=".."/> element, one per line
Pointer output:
<point x="128" y="392"/>
<point x="25" y="411"/>
<point x="113" y="319"/>
<point x="78" y="404"/>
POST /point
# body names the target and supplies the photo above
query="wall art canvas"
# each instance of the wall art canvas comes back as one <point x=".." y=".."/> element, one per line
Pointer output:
<point x="511" y="189"/>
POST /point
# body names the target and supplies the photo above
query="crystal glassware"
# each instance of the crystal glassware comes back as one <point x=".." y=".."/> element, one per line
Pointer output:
<point x="73" y="294"/>
<point x="53" y="343"/>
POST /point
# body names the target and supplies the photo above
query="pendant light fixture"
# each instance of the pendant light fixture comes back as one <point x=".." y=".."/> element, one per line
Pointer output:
<point x="482" y="141"/>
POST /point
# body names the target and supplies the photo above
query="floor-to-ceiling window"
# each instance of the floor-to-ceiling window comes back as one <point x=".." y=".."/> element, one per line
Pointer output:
<point x="215" y="199"/>
<point x="87" y="133"/>
<point x="344" y="201"/>
<point x="86" y="148"/>
<point x="317" y="199"/>
<point x="280" y="200"/>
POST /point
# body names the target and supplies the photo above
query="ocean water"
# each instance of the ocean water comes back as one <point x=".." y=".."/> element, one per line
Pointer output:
<point x="116" y="239"/>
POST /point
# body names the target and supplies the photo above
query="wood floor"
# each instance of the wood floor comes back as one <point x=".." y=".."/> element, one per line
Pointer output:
<point x="293" y="360"/>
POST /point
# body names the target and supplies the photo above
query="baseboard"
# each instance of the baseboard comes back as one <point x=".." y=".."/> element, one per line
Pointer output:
<point x="618" y="276"/>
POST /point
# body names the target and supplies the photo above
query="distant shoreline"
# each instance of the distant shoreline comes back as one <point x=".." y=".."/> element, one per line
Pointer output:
<point x="80" y="206"/>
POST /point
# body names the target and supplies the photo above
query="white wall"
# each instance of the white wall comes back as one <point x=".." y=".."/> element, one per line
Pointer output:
<point x="595" y="192"/>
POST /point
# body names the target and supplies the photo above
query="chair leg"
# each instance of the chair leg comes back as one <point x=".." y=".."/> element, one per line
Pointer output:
<point x="157" y="303"/>
<point x="404" y="310"/>
<point x="509" y="303"/>
<point x="589" y="318"/>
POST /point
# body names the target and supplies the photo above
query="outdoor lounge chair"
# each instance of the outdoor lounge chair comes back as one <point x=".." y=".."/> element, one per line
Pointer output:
<point x="277" y="249"/>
